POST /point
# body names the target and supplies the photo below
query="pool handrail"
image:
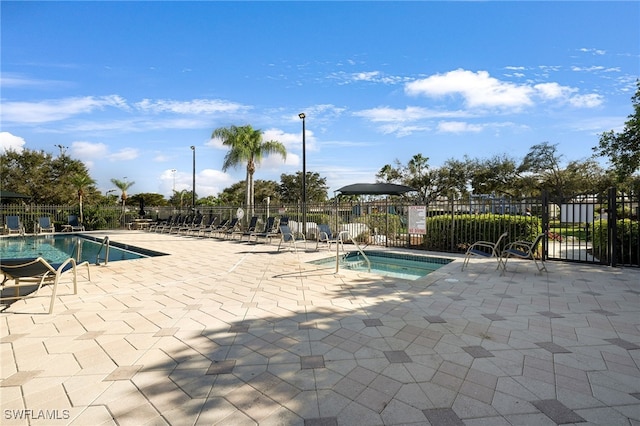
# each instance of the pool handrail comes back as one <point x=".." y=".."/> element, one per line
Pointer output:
<point x="105" y="243"/>
<point x="348" y="236"/>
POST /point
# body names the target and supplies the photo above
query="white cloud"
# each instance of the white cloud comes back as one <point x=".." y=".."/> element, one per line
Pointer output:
<point x="366" y="76"/>
<point x="9" y="142"/>
<point x="208" y="182"/>
<point x="587" y="69"/>
<point x="196" y="106"/>
<point x="553" y="90"/>
<point x="478" y="89"/>
<point x="593" y="51"/>
<point x="89" y="150"/>
<point x="9" y="79"/>
<point x="458" y="127"/>
<point x="402" y="130"/>
<point x="59" y="109"/>
<point x="408" y="114"/>
<point x="125" y="154"/>
<point x="586" y="101"/>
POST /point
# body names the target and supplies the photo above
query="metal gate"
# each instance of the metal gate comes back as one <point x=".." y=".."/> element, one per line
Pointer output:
<point x="601" y="229"/>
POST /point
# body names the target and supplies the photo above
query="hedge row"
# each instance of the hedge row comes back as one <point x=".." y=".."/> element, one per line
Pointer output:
<point x="445" y="234"/>
<point x="628" y="240"/>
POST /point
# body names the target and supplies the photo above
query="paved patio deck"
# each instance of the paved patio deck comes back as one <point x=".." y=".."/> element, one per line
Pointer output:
<point x="230" y="333"/>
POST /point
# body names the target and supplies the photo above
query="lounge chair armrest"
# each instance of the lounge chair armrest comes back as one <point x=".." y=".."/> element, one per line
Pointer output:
<point x="519" y="245"/>
<point x="486" y="244"/>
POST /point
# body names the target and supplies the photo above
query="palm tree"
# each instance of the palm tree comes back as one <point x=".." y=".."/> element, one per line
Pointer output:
<point x="246" y="145"/>
<point x="81" y="182"/>
<point x="122" y="186"/>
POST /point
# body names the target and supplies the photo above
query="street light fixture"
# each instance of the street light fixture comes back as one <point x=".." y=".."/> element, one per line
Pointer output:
<point x="173" y="171"/>
<point x="304" y="174"/>
<point x="193" y="186"/>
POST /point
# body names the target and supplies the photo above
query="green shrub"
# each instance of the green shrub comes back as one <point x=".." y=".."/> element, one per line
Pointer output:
<point x="470" y="228"/>
<point x="628" y="235"/>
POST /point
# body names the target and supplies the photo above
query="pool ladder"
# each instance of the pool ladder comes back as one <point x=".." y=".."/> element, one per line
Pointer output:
<point x="341" y="238"/>
<point x="105" y="245"/>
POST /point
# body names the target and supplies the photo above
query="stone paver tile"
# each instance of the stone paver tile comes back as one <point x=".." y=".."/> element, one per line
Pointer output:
<point x="90" y="335"/>
<point x="312" y="361"/>
<point x="20" y="378"/>
<point x="477" y="351"/>
<point x="604" y="312"/>
<point x="349" y="388"/>
<point x="93" y="415"/>
<point x="557" y="411"/>
<point x="494" y="317"/>
<point x="397" y="356"/>
<point x="624" y="344"/>
<point x="553" y="348"/>
<point x="372" y="322"/>
<point x="443" y="417"/>
<point x="374" y="399"/>
<point x="321" y="421"/>
<point x="12" y="337"/>
<point x="222" y="367"/>
<point x="123" y="373"/>
<point x="252" y="402"/>
<point x="356" y="413"/>
<point x="550" y="314"/>
<point x="434" y="319"/>
<point x="170" y="331"/>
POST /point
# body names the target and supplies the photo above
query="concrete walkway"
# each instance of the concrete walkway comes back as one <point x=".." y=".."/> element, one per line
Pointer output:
<point x="229" y="333"/>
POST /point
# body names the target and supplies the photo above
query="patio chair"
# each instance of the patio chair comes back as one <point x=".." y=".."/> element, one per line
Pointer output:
<point x="72" y="224"/>
<point x="230" y="228"/>
<point x="215" y="228"/>
<point x="288" y="237"/>
<point x="167" y="226"/>
<point x="158" y="224"/>
<point x="524" y="250"/>
<point x="251" y="227"/>
<point x="36" y="272"/>
<point x="45" y="225"/>
<point x="194" y="224"/>
<point x="324" y="235"/>
<point x="14" y="225"/>
<point x="267" y="232"/>
<point x="485" y="249"/>
<point x="180" y="223"/>
<point x="207" y="226"/>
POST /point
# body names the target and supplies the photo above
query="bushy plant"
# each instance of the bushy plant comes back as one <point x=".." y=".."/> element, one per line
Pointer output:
<point x="628" y="236"/>
<point x="469" y="228"/>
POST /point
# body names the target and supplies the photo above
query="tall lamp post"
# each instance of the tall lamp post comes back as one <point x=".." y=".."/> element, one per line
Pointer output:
<point x="173" y="172"/>
<point x="193" y="186"/>
<point x="304" y="175"/>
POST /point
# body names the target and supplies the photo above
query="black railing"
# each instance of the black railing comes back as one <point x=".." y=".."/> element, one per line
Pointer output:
<point x="601" y="229"/>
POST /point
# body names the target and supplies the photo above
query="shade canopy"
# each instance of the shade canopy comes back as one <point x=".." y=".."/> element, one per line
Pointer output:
<point x="8" y="195"/>
<point x="374" y="189"/>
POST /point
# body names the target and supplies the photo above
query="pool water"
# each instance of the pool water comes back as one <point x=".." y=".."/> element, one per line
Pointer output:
<point x="396" y="265"/>
<point x="58" y="248"/>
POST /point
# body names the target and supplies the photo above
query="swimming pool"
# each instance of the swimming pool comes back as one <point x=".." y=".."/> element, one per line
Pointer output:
<point x="58" y="248"/>
<point x="390" y="264"/>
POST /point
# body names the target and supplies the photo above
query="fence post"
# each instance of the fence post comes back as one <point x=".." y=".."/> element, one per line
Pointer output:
<point x="612" y="228"/>
<point x="545" y="225"/>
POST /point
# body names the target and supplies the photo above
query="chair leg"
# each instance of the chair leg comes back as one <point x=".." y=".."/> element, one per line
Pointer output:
<point x="54" y="291"/>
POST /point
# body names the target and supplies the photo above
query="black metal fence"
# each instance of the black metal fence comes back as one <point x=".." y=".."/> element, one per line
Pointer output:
<point x="600" y="229"/>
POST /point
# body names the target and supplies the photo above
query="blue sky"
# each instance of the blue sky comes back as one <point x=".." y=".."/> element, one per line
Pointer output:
<point x="128" y="87"/>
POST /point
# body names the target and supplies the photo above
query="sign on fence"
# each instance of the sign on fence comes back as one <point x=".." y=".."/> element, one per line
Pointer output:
<point x="417" y="220"/>
<point x="576" y="213"/>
